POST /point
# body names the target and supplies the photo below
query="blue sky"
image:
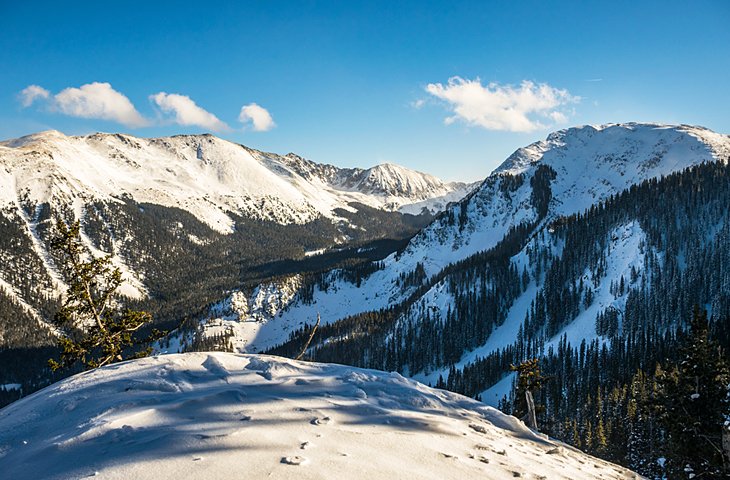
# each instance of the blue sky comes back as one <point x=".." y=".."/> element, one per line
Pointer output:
<point x="450" y="89"/>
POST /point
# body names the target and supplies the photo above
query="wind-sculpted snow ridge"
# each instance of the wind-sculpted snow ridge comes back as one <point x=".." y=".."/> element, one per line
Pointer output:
<point x="206" y="176"/>
<point x="580" y="167"/>
<point x="219" y="415"/>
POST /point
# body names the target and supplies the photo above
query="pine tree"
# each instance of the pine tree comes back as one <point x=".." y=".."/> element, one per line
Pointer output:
<point x="694" y="405"/>
<point x="95" y="330"/>
<point x="576" y="434"/>
<point x="600" y="442"/>
<point x="529" y="382"/>
<point x="588" y="439"/>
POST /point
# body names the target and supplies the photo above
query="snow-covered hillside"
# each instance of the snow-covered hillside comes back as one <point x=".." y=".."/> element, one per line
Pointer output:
<point x="215" y="415"/>
<point x="588" y="163"/>
<point x="624" y="254"/>
<point x="206" y="176"/>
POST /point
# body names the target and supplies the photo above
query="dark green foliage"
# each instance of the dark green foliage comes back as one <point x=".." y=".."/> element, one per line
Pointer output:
<point x="23" y="269"/>
<point x="95" y="331"/>
<point x="694" y="405"/>
<point x="541" y="191"/>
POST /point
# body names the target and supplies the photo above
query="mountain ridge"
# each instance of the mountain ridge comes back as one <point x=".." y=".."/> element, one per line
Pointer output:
<point x="209" y="177"/>
<point x="187" y="208"/>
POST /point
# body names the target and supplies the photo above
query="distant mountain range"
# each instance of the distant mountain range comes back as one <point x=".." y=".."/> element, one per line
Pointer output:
<point x="206" y="176"/>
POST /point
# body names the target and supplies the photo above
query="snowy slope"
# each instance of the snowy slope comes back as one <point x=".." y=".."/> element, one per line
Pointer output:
<point x="590" y="162"/>
<point x="623" y="252"/>
<point x="221" y="415"/>
<point x="206" y="176"/>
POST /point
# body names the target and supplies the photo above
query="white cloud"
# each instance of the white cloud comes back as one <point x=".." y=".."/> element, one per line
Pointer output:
<point x="258" y="116"/>
<point x="558" y="117"/>
<point x="31" y="93"/>
<point x="98" y="100"/>
<point x="502" y="107"/>
<point x="186" y="112"/>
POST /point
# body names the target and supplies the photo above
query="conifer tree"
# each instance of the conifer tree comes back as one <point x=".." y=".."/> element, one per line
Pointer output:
<point x="529" y="382"/>
<point x="695" y="406"/>
<point x="95" y="330"/>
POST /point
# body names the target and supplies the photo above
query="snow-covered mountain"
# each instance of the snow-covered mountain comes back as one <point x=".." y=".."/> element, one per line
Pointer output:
<point x="590" y="163"/>
<point x="188" y="208"/>
<point x="565" y="174"/>
<point x="221" y="415"/>
<point x="207" y="176"/>
<point x="598" y="278"/>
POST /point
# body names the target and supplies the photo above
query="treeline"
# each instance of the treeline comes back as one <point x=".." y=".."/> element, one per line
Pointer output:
<point x="658" y="406"/>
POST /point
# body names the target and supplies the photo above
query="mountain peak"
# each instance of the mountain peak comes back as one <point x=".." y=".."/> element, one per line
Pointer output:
<point x="643" y="144"/>
<point x="35" y="138"/>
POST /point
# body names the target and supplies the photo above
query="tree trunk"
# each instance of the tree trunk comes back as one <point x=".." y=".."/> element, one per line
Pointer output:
<point x="531" y="418"/>
<point x="726" y="446"/>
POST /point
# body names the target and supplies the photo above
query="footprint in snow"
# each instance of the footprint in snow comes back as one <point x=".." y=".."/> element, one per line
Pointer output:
<point x="478" y="428"/>
<point x="295" y="460"/>
<point x="321" y="421"/>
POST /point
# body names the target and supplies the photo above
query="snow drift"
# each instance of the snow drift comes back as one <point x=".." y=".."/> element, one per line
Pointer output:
<point x="218" y="415"/>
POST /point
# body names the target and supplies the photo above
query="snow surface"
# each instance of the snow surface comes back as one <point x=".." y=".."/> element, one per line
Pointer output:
<point x="218" y="415"/>
<point x="591" y="163"/>
<point x="207" y="176"/>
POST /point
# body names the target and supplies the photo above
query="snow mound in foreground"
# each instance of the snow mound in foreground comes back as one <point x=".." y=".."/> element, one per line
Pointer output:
<point x="220" y="415"/>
